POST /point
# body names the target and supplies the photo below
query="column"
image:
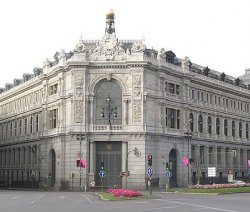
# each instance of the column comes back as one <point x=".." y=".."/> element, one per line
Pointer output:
<point x="91" y="157"/>
<point x="236" y="129"/>
<point x="91" y="110"/>
<point x="245" y="163"/>
<point x="223" y="158"/>
<point x="124" y="112"/>
<point x="195" y="121"/>
<point x="222" y="134"/>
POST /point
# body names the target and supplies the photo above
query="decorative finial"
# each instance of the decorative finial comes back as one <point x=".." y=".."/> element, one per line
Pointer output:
<point x="110" y="22"/>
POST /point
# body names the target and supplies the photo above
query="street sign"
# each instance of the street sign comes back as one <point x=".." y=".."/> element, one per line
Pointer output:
<point x="102" y="173"/>
<point x="169" y="174"/>
<point x="211" y="171"/>
<point x="150" y="171"/>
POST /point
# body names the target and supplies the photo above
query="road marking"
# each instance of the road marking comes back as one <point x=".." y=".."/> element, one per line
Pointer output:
<point x="62" y="197"/>
<point x="90" y="201"/>
<point x="33" y="201"/>
<point x="14" y="197"/>
<point x="202" y="206"/>
<point x="152" y="209"/>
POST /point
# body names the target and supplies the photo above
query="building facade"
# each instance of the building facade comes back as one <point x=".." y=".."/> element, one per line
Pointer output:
<point x="108" y="105"/>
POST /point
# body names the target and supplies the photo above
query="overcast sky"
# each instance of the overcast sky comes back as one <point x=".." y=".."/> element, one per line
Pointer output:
<point x="213" y="33"/>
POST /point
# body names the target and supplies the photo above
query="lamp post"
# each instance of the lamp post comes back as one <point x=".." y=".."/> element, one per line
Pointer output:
<point x="188" y="135"/>
<point x="80" y="138"/>
<point x="137" y="153"/>
<point x="109" y="109"/>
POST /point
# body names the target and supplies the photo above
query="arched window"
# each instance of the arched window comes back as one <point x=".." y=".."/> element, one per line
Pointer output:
<point x="200" y="124"/>
<point x="233" y="128"/>
<point x="247" y="131"/>
<point x="108" y="102"/>
<point x="225" y="127"/>
<point x="191" y="122"/>
<point x="240" y="130"/>
<point x="209" y="125"/>
<point x="217" y="126"/>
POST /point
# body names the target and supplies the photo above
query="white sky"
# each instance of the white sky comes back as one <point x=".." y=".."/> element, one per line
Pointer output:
<point x="213" y="33"/>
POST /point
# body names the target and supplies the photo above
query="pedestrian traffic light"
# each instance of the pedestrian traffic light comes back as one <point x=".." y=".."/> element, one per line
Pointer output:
<point x="167" y="166"/>
<point x="102" y="165"/>
<point x="150" y="160"/>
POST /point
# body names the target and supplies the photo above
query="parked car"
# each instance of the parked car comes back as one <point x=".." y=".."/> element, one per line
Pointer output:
<point x="239" y="182"/>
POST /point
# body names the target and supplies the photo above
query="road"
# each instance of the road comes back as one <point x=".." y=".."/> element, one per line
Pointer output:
<point x="36" y="201"/>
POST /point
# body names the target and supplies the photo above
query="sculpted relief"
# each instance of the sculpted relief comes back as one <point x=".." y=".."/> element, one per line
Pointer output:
<point x="79" y="99"/>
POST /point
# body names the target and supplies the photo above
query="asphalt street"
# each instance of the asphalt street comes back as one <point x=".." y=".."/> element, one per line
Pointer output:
<point x="36" y="201"/>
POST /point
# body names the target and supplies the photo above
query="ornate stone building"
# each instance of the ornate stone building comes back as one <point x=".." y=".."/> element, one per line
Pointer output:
<point x="109" y="104"/>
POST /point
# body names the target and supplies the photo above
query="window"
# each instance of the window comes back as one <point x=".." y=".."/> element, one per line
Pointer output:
<point x="247" y="131"/>
<point x="192" y="94"/>
<point x="172" y="118"/>
<point x="11" y="129"/>
<point x="211" y="98"/>
<point x="215" y="100"/>
<point x="53" y="118"/>
<point x="15" y="128"/>
<point x="20" y="127"/>
<point x="227" y="156"/>
<point x="202" y="155"/>
<point x="233" y="128"/>
<point x="241" y="157"/>
<point x="219" y="155"/>
<point x="171" y="88"/>
<point x="53" y="89"/>
<point x="210" y="152"/>
<point x="191" y="122"/>
<point x="25" y="125"/>
<point x="209" y="125"/>
<point x="240" y="130"/>
<point x="202" y="96"/>
<point x="225" y="127"/>
<point x="200" y="124"/>
<point x="31" y="124"/>
<point x="207" y="98"/>
<point x="217" y="126"/>
<point x="198" y="95"/>
<point x="37" y="123"/>
<point x="177" y="89"/>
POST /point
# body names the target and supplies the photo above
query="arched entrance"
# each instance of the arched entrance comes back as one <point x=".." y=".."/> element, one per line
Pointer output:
<point x="173" y="161"/>
<point x="52" y="166"/>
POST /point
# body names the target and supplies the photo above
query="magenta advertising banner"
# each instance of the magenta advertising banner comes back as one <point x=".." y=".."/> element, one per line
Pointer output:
<point x="248" y="161"/>
<point x="185" y="160"/>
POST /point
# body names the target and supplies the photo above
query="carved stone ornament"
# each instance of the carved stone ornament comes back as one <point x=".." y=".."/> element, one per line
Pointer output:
<point x="79" y="99"/>
<point x="137" y="111"/>
<point x="80" y="47"/>
<point x="186" y="64"/>
<point x="108" y="48"/>
<point x="138" y="46"/>
<point x="46" y="63"/>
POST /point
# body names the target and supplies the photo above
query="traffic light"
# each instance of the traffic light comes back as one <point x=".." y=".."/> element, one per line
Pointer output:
<point x="171" y="165"/>
<point x="167" y="166"/>
<point x="150" y="160"/>
<point x="102" y="165"/>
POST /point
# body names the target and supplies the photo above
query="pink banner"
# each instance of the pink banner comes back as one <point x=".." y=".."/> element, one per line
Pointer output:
<point x="185" y="160"/>
<point x="248" y="161"/>
<point x="83" y="163"/>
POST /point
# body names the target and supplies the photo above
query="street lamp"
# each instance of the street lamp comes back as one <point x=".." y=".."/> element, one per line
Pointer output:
<point x="188" y="135"/>
<point x="109" y="109"/>
<point x="80" y="138"/>
<point x="137" y="153"/>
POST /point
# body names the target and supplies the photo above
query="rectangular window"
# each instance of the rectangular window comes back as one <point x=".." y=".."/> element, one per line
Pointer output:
<point x="171" y="88"/>
<point x="166" y="117"/>
<point x="219" y="155"/>
<point x="177" y="89"/>
<point x="241" y="157"/>
<point x="227" y="156"/>
<point x="210" y="152"/>
<point x="202" y="96"/>
<point x="202" y="155"/>
<point x="172" y="118"/>
<point x="53" y="118"/>
<point x="53" y="89"/>
<point x="178" y="119"/>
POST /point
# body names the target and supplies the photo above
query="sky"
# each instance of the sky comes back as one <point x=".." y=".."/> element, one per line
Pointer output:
<point x="213" y="33"/>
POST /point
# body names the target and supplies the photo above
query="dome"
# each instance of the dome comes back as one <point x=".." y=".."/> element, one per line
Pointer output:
<point x="110" y="14"/>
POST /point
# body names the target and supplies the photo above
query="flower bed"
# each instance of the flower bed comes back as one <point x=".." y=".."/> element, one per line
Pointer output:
<point x="229" y="185"/>
<point x="124" y="192"/>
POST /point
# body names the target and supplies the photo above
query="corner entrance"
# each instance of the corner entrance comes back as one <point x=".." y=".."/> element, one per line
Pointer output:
<point x="110" y="154"/>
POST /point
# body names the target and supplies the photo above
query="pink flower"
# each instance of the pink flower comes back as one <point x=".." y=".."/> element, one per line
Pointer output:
<point x="124" y="192"/>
